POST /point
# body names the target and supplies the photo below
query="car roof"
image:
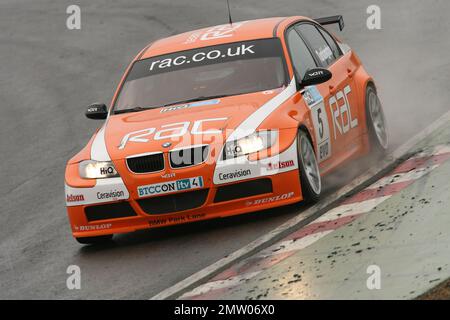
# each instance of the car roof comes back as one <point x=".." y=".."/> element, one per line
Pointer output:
<point x="220" y="34"/>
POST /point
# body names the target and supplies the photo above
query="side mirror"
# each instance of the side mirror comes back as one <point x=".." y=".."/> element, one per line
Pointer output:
<point x="316" y="76"/>
<point x="97" y="111"/>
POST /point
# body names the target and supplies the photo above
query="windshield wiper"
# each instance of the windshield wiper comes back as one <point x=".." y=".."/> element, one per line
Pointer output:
<point x="201" y="98"/>
<point x="134" y="109"/>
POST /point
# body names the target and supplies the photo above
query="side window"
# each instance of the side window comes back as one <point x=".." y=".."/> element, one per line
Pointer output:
<point x="300" y="54"/>
<point x="320" y="47"/>
<point x="331" y="42"/>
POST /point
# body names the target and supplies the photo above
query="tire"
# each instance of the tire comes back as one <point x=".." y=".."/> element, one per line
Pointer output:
<point x="376" y="123"/>
<point x="95" y="240"/>
<point x="309" y="169"/>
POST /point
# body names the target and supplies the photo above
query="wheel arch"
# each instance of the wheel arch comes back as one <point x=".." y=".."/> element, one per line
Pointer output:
<point x="304" y="128"/>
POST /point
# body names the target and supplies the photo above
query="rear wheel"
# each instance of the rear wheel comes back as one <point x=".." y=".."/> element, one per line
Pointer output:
<point x="309" y="169"/>
<point x="376" y="122"/>
<point x="95" y="240"/>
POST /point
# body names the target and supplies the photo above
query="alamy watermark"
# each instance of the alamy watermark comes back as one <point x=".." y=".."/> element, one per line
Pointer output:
<point x="73" y="281"/>
<point x="373" y="282"/>
<point x="73" y="21"/>
<point x="374" y="20"/>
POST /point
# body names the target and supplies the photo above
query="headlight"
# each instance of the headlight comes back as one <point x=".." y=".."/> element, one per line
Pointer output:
<point x="91" y="169"/>
<point x="253" y="143"/>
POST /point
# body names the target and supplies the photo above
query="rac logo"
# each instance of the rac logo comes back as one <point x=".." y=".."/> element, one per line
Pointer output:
<point x="342" y="114"/>
<point x="171" y="131"/>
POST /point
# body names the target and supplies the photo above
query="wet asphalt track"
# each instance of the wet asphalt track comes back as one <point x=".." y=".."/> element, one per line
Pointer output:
<point x="48" y="75"/>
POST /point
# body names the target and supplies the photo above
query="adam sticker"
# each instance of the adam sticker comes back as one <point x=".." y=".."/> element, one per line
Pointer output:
<point x="320" y="121"/>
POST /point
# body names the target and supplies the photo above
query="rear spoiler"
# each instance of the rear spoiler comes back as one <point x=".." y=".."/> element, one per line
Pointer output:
<point x="332" y="20"/>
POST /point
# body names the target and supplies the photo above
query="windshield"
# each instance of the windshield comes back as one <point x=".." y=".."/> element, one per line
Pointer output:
<point x="199" y="74"/>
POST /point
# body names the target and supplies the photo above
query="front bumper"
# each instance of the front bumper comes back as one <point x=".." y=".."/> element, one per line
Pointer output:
<point x="110" y="207"/>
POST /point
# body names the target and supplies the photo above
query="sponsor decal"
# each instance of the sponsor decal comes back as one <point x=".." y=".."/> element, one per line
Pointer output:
<point x="270" y="199"/>
<point x="201" y="57"/>
<point x="312" y="95"/>
<point x="105" y="190"/>
<point x="168" y="175"/>
<point x="172" y="131"/>
<point x="325" y="54"/>
<point x="190" y="105"/>
<point x="170" y="187"/>
<point x="222" y="31"/>
<point x="110" y="170"/>
<point x="236" y="174"/>
<point x="74" y="198"/>
<point x="94" y="227"/>
<point x="113" y="195"/>
<point x="229" y="52"/>
<point x="280" y="165"/>
<point x="341" y="115"/>
<point x="172" y="220"/>
<point x="217" y="32"/>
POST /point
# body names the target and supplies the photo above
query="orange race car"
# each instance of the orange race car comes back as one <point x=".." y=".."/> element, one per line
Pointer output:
<point x="223" y="121"/>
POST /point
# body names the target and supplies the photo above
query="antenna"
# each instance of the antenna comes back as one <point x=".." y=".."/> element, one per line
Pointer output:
<point x="229" y="13"/>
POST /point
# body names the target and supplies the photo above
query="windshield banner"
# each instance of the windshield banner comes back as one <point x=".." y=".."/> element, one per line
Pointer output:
<point x="205" y="56"/>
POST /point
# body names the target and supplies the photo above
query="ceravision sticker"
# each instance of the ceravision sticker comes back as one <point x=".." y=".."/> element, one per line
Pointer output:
<point x="169" y="187"/>
<point x="315" y="102"/>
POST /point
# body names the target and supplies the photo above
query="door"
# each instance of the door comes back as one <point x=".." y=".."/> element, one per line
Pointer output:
<point x="302" y="61"/>
<point x="339" y="93"/>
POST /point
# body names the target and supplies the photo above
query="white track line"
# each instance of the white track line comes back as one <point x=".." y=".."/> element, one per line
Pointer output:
<point x="351" y="209"/>
<point x="293" y="245"/>
<point x="220" y="284"/>
<point x="403" y="177"/>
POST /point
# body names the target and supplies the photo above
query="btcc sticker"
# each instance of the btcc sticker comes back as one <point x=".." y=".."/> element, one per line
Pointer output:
<point x="315" y="102"/>
<point x="170" y="187"/>
<point x="190" y="105"/>
<point x="270" y="199"/>
<point x="105" y="190"/>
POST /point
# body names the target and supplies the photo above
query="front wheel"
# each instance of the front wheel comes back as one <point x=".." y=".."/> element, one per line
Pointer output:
<point x="95" y="240"/>
<point x="309" y="169"/>
<point x="376" y="122"/>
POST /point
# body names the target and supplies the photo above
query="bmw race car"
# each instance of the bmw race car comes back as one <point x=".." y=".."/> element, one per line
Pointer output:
<point x="223" y="121"/>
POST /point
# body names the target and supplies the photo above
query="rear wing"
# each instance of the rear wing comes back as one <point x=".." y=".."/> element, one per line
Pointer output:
<point x="332" y="20"/>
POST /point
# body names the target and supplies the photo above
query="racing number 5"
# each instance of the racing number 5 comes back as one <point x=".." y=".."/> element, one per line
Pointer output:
<point x="320" y="121"/>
